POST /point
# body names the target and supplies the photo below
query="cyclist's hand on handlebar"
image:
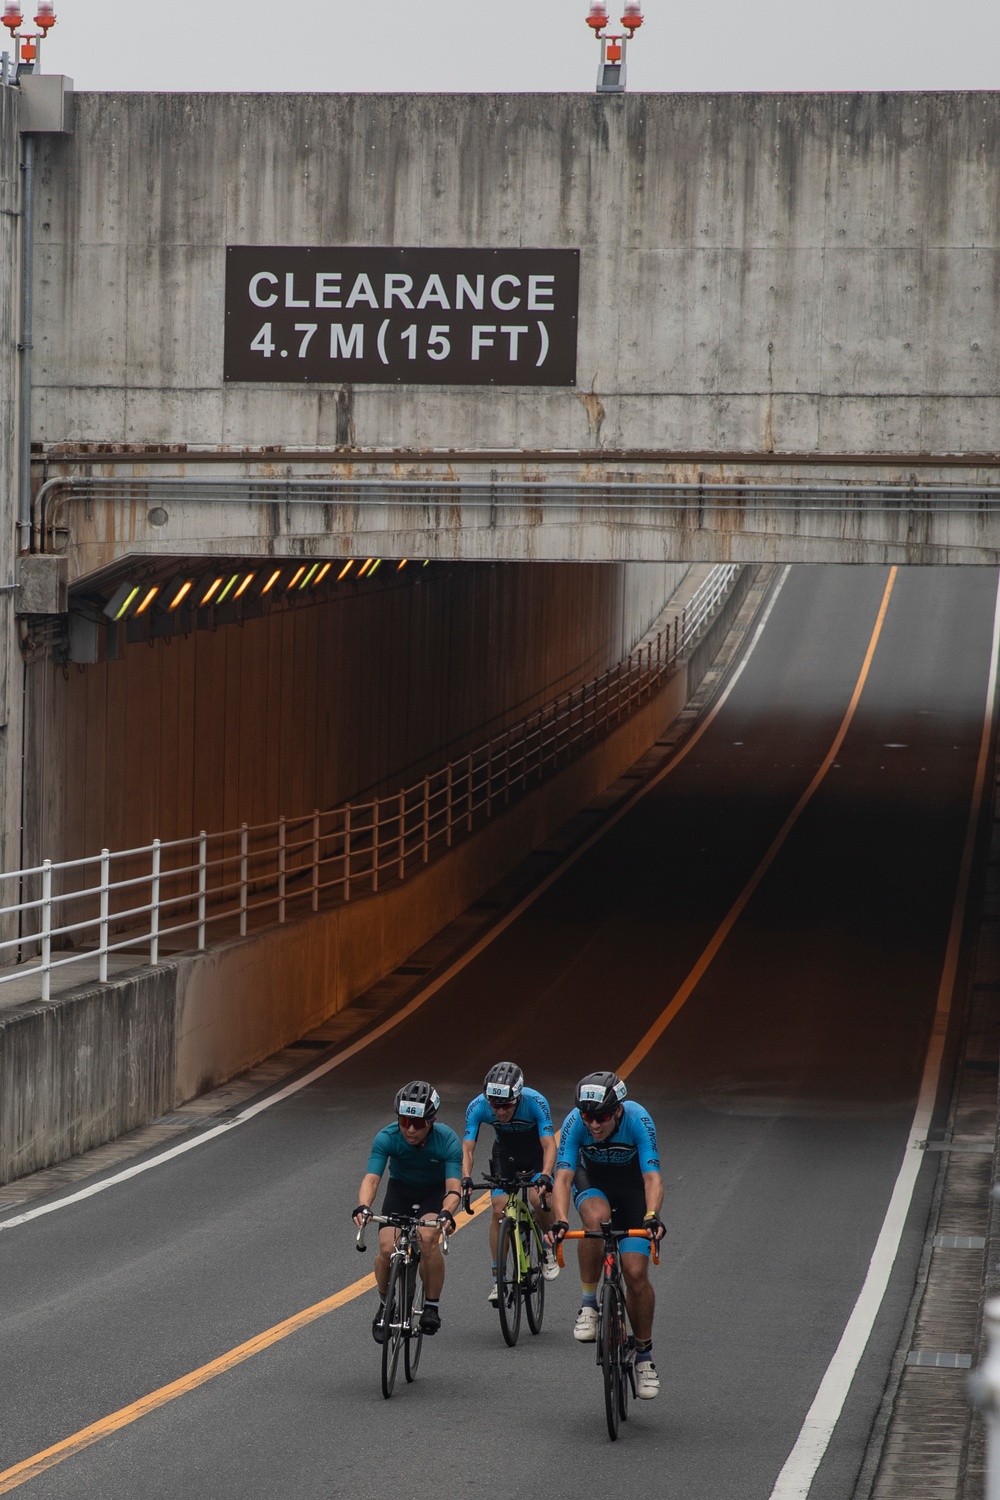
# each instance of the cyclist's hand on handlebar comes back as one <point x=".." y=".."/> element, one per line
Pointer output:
<point x="556" y="1231"/>
<point x="361" y="1215"/>
<point x="447" y="1221"/>
<point x="543" y="1182"/>
<point x="657" y="1229"/>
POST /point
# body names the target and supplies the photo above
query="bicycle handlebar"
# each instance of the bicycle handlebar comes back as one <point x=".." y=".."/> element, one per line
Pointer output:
<point x="610" y="1234"/>
<point x="508" y="1184"/>
<point x="401" y="1221"/>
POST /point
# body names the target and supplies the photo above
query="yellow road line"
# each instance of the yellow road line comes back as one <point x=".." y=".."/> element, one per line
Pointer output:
<point x="30" y="1468"/>
<point x="682" y="995"/>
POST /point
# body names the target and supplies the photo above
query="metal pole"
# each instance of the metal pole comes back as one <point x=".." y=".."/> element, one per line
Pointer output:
<point x="540" y="712"/>
<point x="244" y="841"/>
<point x="347" y="852"/>
<point x="427" y="818"/>
<point x="984" y="1388"/>
<point x="281" y="868"/>
<point x="202" y="880"/>
<point x="46" y="929"/>
<point x="489" y="779"/>
<point x="402" y="835"/>
<point x="105" y="880"/>
<point x="447" y="808"/>
<point x="24" y="346"/>
<point x="375" y="845"/>
<point x="154" y="901"/>
<point x="315" y="900"/>
<point x="468" y="797"/>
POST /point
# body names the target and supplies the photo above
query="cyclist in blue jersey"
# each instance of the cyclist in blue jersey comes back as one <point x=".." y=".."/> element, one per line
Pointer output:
<point x="425" y="1167"/>
<point x="524" y="1142"/>
<point x="608" y="1158"/>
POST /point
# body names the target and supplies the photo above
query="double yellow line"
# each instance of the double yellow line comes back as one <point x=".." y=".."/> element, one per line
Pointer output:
<point x="30" y="1468"/>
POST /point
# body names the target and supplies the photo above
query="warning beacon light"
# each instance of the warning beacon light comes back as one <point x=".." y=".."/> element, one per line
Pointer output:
<point x="611" y="71"/>
<point x="29" y="43"/>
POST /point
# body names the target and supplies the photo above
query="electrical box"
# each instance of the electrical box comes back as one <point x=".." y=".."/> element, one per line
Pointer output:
<point x="46" y="104"/>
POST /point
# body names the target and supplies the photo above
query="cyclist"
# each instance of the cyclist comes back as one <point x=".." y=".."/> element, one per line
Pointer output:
<point x="524" y="1142"/>
<point x="608" y="1157"/>
<point x="425" y="1167"/>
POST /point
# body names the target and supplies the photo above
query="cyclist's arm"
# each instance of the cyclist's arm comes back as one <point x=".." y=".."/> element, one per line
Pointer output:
<point x="653" y="1183"/>
<point x="548" y="1144"/>
<point x="468" y="1157"/>
<point x="368" y="1188"/>
<point x="561" y="1186"/>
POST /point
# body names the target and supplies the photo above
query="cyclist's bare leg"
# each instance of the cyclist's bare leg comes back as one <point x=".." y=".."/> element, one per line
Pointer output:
<point x="543" y="1217"/>
<point x="431" y="1263"/>
<point x="386" y="1239"/>
<point x="593" y="1213"/>
<point x="640" y="1299"/>
<point x="498" y="1205"/>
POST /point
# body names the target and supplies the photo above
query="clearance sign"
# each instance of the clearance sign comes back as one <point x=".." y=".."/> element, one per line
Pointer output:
<point x="397" y="316"/>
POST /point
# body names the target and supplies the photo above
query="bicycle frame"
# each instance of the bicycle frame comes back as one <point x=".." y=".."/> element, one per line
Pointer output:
<point x="403" y="1301"/>
<point x="615" y="1353"/>
<point x="517" y="1227"/>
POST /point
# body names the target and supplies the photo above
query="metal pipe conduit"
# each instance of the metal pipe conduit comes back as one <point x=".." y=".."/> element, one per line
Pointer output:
<point x="619" y="498"/>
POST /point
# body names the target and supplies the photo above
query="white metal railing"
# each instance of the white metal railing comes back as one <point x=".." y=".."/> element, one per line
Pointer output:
<point x="135" y="898"/>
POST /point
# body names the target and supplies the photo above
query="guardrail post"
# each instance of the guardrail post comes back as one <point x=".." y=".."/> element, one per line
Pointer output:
<point x="375" y="809"/>
<point x="427" y="818"/>
<point x="46" y="928"/>
<point x="105" y="883"/>
<point x="281" y="868"/>
<point x="541" y="756"/>
<point x="315" y="899"/>
<point x="984" y="1388"/>
<point x="659" y="645"/>
<point x="447" y="807"/>
<point x="202" y="886"/>
<point x="154" y="902"/>
<point x="468" y="799"/>
<point x="244" y="842"/>
<point x="347" y="852"/>
<point x="506" y="766"/>
<point x="402" y="835"/>
<point x="489" y="779"/>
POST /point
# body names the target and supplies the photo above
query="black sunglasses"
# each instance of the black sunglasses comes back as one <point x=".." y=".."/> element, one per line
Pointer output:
<point x="597" y="1116"/>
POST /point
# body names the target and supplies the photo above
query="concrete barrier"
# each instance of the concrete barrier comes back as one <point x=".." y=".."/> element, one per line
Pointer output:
<point x="95" y="1062"/>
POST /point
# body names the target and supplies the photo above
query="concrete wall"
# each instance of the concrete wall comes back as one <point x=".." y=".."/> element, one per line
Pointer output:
<point x="807" y="273"/>
<point x="311" y="707"/>
<point x="11" y="671"/>
<point x="85" y="1067"/>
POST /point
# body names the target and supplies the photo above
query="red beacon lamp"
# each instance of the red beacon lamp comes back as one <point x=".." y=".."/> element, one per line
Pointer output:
<point x="611" y="71"/>
<point x="29" y="43"/>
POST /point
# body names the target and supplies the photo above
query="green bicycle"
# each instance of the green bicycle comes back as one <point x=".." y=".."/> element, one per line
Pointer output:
<point x="520" y="1255"/>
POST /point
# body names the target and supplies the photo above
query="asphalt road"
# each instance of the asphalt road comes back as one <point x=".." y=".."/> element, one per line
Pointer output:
<point x="783" y="1093"/>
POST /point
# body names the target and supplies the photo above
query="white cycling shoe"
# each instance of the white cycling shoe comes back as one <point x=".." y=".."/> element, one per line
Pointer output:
<point x="585" y="1327"/>
<point x="647" y="1382"/>
<point x="550" y="1266"/>
<point x="494" y="1296"/>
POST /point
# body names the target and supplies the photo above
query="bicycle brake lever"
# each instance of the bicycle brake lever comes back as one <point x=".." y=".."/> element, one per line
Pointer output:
<point x="361" y="1238"/>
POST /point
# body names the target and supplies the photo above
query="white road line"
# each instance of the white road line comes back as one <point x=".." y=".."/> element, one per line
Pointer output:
<point x="172" y="1152"/>
<point x="799" y="1471"/>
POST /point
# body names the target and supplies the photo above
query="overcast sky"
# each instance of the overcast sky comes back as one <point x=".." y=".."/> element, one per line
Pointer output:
<point x="496" y="45"/>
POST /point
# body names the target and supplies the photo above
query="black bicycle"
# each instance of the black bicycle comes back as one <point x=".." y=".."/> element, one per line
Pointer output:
<point x="520" y="1254"/>
<point x="615" y="1352"/>
<point x="404" y="1294"/>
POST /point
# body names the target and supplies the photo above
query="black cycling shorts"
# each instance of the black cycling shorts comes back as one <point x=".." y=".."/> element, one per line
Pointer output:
<point x="627" y="1199"/>
<point x="401" y="1196"/>
<point x="525" y="1156"/>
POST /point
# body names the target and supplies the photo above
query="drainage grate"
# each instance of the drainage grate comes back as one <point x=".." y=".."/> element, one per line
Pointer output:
<point x="936" y="1360"/>
<point x="981" y="1148"/>
<point x="959" y="1242"/>
<point x="309" y="1043"/>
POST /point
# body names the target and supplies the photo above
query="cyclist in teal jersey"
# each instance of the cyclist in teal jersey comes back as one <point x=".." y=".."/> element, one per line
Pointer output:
<point x="425" y="1170"/>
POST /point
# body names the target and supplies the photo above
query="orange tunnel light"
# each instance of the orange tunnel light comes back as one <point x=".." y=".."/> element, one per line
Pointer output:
<point x="206" y="597"/>
<point x="271" y="581"/>
<point x="345" y="569"/>
<point x="184" y="589"/>
<point x="150" y="596"/>
<point x="245" y="584"/>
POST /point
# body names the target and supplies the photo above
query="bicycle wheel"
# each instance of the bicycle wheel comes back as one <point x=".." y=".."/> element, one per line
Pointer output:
<point x="393" y="1320"/>
<point x="609" y="1353"/>
<point x="534" y="1284"/>
<point x="508" y="1282"/>
<point x="414" y="1339"/>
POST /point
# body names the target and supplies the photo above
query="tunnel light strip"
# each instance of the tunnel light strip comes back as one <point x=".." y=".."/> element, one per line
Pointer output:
<point x="305" y="582"/>
<point x="150" y="596"/>
<point x="184" y="589"/>
<point x="245" y="584"/>
<point x="322" y="573"/>
<point x="271" y="581"/>
<point x="128" y="601"/>
<point x="228" y="586"/>
<point x="296" y="576"/>
<point x="209" y="592"/>
<point x="345" y="569"/>
<point x="365" y="566"/>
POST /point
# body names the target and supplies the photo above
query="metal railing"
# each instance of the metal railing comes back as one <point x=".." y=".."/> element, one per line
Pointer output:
<point x="135" y="899"/>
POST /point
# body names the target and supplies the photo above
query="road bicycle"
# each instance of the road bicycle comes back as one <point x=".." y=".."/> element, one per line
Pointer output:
<point x="404" y="1293"/>
<point x="615" y="1351"/>
<point x="520" y="1254"/>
